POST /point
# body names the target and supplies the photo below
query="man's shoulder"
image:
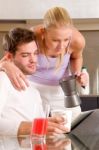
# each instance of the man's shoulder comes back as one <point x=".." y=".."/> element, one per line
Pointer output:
<point x="33" y="92"/>
<point x="3" y="76"/>
<point x="4" y="81"/>
<point x="33" y="87"/>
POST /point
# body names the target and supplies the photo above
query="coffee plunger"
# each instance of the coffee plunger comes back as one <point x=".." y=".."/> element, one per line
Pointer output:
<point x="71" y="97"/>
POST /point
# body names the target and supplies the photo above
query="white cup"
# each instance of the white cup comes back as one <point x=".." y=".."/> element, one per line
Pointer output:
<point x="66" y="114"/>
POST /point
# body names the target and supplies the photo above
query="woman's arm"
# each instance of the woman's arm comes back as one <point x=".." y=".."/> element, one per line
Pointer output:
<point x="14" y="73"/>
<point x="76" y="59"/>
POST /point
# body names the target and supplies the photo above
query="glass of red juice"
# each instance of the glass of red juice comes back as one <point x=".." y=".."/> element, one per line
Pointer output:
<point x="39" y="124"/>
<point x="38" y="145"/>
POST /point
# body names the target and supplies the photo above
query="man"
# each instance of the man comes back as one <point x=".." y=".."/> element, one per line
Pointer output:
<point x="17" y="108"/>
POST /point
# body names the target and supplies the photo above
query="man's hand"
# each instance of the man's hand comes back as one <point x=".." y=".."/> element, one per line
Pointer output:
<point x="58" y="143"/>
<point x="56" y="126"/>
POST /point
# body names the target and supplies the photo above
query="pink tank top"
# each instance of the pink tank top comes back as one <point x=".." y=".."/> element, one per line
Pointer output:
<point x="46" y="73"/>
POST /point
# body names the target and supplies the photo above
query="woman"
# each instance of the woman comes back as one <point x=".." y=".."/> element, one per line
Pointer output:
<point x="60" y="53"/>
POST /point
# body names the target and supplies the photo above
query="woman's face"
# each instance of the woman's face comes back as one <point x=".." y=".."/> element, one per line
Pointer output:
<point x="57" y="39"/>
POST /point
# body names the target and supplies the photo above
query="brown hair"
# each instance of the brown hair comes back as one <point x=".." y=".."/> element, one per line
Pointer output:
<point x="16" y="37"/>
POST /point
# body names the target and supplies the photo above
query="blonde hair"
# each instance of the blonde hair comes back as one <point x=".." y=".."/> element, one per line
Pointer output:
<point x="55" y="17"/>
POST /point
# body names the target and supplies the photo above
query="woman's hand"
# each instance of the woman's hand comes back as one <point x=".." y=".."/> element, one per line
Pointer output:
<point x="82" y="78"/>
<point x="15" y="75"/>
<point x="56" y="126"/>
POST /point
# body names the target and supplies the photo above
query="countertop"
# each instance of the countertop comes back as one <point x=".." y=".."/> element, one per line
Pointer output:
<point x="89" y="95"/>
<point x="84" y="137"/>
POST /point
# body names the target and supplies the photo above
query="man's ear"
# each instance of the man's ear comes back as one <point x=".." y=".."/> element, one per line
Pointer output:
<point x="8" y="55"/>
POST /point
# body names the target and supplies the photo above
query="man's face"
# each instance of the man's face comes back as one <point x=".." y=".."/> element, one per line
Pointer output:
<point x="25" y="57"/>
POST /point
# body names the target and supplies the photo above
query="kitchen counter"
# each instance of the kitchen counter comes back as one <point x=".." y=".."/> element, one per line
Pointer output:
<point x="84" y="137"/>
<point x="89" y="95"/>
<point x="68" y="143"/>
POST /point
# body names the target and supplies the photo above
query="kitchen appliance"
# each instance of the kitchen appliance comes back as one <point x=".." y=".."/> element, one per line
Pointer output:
<point x="71" y="97"/>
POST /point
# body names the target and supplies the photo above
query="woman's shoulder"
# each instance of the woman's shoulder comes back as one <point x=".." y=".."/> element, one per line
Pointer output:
<point x="78" y="40"/>
<point x="38" y="28"/>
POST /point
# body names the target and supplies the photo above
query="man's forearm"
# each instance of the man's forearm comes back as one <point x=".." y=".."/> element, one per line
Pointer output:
<point x="24" y="128"/>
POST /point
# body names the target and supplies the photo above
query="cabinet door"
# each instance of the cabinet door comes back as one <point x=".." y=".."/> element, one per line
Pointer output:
<point x="98" y="100"/>
<point x="89" y="103"/>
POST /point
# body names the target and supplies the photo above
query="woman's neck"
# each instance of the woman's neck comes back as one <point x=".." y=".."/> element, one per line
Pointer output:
<point x="52" y="55"/>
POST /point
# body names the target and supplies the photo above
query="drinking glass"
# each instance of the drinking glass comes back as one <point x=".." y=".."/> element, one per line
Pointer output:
<point x="39" y="124"/>
<point x="38" y="145"/>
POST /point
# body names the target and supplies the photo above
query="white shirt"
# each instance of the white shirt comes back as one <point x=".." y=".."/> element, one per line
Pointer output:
<point x="17" y="106"/>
